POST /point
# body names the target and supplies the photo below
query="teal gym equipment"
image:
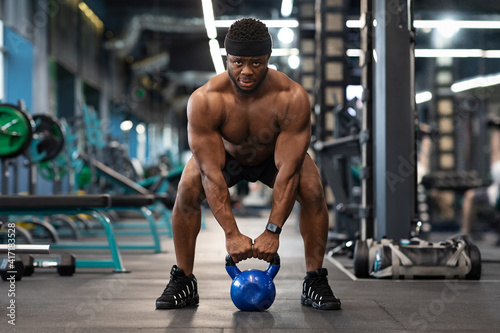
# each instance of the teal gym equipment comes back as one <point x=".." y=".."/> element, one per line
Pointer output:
<point x="70" y="204"/>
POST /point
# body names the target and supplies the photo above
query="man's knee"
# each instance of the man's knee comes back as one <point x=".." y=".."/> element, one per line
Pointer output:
<point x="190" y="193"/>
<point x="469" y="195"/>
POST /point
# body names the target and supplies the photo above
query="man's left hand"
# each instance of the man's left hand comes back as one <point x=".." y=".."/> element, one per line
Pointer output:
<point x="265" y="246"/>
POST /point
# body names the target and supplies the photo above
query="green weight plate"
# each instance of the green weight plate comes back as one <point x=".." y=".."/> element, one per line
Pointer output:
<point x="16" y="130"/>
<point x="84" y="177"/>
<point x="49" y="170"/>
<point x="48" y="139"/>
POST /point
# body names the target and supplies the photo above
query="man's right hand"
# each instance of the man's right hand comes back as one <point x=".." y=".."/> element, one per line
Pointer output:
<point x="239" y="247"/>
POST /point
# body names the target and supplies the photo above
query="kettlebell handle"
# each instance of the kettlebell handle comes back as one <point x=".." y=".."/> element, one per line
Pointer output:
<point x="230" y="262"/>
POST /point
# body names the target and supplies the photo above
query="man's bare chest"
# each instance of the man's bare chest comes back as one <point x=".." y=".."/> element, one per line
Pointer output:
<point x="247" y="126"/>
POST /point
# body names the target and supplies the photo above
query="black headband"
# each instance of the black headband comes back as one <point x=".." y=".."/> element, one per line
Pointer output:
<point x="251" y="48"/>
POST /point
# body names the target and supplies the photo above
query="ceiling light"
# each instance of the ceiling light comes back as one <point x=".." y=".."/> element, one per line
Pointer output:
<point x="208" y="14"/>
<point x="448" y="29"/>
<point x="268" y="23"/>
<point x="477" y="82"/>
<point x="293" y="61"/>
<point x="140" y="128"/>
<point x="436" y="24"/>
<point x="216" y="56"/>
<point x="285" y="35"/>
<point x="286" y="8"/>
<point x="278" y="52"/>
<point x="126" y="125"/>
<point x="423" y="97"/>
<point x="445" y="53"/>
<point x="457" y="24"/>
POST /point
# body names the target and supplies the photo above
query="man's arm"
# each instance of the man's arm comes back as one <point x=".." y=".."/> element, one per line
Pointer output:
<point x="206" y="144"/>
<point x="291" y="147"/>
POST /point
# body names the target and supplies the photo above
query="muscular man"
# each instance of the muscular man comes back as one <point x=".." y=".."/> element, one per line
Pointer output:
<point x="485" y="198"/>
<point x="249" y="123"/>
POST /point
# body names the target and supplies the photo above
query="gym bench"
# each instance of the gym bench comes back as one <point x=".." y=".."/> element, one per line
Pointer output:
<point x="71" y="205"/>
<point x="162" y="200"/>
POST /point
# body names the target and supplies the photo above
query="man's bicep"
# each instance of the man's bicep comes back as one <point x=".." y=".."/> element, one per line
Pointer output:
<point x="294" y="138"/>
<point x="204" y="138"/>
<point x="291" y="148"/>
<point x="207" y="148"/>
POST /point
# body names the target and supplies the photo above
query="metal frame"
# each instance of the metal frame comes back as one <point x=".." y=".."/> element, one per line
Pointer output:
<point x="394" y="121"/>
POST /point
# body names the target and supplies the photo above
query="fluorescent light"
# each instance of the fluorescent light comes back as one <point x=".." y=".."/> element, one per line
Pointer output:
<point x="353" y="53"/>
<point x="286" y="8"/>
<point x="477" y="82"/>
<point x="293" y="61"/>
<point x="208" y="14"/>
<point x="450" y="53"/>
<point x="445" y="53"/>
<point x="278" y="52"/>
<point x="268" y="23"/>
<point x="423" y="97"/>
<point x="448" y="28"/>
<point x="438" y="24"/>
<point x="216" y="56"/>
<point x="353" y="24"/>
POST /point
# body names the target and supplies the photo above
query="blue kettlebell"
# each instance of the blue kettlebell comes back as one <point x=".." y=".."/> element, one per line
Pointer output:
<point x="253" y="290"/>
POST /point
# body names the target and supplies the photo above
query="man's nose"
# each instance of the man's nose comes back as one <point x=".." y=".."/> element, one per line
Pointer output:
<point x="246" y="70"/>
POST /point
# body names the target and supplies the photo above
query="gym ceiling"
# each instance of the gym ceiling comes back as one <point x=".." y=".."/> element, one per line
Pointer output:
<point x="183" y="48"/>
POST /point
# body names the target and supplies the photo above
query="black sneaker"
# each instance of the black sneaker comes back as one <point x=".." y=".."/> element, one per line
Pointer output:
<point x="180" y="292"/>
<point x="316" y="291"/>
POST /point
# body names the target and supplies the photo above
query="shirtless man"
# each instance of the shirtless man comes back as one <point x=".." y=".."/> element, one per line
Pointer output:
<point x="250" y="123"/>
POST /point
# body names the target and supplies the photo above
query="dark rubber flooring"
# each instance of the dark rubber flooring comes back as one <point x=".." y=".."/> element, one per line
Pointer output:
<point x="97" y="300"/>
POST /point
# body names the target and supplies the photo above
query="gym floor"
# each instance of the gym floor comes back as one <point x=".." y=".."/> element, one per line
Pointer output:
<point x="97" y="300"/>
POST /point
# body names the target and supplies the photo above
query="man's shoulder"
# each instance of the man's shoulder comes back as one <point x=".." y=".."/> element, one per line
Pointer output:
<point x="206" y="100"/>
<point x="284" y="83"/>
<point x="215" y="87"/>
<point x="217" y="84"/>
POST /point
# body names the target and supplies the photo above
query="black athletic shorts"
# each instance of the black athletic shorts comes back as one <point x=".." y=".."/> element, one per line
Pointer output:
<point x="481" y="198"/>
<point x="234" y="172"/>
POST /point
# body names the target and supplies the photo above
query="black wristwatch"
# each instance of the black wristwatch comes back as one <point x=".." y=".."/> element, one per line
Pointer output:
<point x="271" y="227"/>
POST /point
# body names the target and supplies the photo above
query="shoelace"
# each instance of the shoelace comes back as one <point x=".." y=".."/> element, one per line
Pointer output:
<point x="174" y="286"/>
<point x="320" y="286"/>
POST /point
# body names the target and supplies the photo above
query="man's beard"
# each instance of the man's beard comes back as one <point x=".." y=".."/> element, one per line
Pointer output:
<point x="247" y="93"/>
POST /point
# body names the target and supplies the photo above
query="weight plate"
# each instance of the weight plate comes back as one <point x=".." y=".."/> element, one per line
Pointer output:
<point x="48" y="139"/>
<point x="51" y="170"/>
<point x="16" y="130"/>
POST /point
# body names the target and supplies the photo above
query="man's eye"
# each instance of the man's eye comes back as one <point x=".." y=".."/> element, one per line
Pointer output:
<point x="256" y="63"/>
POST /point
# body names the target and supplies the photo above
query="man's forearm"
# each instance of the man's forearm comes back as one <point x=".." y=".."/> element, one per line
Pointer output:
<point x="219" y="200"/>
<point x="284" y="194"/>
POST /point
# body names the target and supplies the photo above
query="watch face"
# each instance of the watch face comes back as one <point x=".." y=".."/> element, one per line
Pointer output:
<point x="272" y="228"/>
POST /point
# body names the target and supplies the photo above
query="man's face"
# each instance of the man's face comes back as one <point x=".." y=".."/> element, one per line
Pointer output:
<point x="247" y="73"/>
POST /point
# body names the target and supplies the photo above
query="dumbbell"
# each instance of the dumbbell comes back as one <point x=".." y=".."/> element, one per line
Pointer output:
<point x="493" y="122"/>
<point x="65" y="264"/>
<point x="12" y="267"/>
